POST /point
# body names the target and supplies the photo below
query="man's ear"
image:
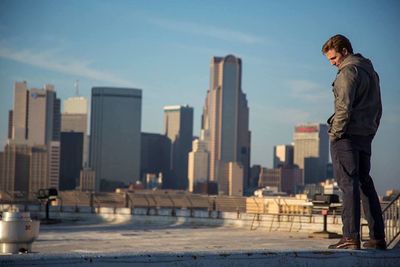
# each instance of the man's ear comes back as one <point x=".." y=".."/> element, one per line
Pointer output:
<point x="345" y="52"/>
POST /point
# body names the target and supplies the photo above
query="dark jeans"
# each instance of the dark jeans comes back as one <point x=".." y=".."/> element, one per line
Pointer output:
<point x="351" y="157"/>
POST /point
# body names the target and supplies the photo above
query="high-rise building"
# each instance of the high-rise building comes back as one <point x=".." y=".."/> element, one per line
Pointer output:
<point x="87" y="181"/>
<point x="311" y="151"/>
<point x="2" y="171"/>
<point x="76" y="105"/>
<point x="39" y="169"/>
<point x="34" y="123"/>
<point x="74" y="119"/>
<point x="35" y="115"/>
<point x="235" y="179"/>
<point x="286" y="178"/>
<point x="283" y="155"/>
<point x="20" y="113"/>
<point x="74" y="123"/>
<point x="15" y="168"/>
<point x="155" y="155"/>
<point x="115" y="136"/>
<point x="255" y="171"/>
<point x="178" y="127"/>
<point x="43" y="116"/>
<point x="225" y="119"/>
<point x="10" y="123"/>
<point x="198" y="164"/>
<point x="71" y="159"/>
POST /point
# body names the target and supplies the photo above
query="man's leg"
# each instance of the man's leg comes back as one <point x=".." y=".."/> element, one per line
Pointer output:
<point x="345" y="163"/>
<point x="369" y="197"/>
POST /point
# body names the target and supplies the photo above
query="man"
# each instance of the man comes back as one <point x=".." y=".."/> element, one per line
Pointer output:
<point x="358" y="111"/>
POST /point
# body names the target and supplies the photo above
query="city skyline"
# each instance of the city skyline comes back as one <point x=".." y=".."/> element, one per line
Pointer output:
<point x="166" y="47"/>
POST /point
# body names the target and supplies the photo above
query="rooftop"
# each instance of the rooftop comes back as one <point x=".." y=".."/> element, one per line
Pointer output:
<point x="176" y="242"/>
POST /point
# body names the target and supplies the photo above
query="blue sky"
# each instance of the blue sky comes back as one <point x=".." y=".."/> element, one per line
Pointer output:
<point x="165" y="48"/>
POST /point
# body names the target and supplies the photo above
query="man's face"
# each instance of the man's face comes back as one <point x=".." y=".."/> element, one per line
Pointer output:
<point x="336" y="58"/>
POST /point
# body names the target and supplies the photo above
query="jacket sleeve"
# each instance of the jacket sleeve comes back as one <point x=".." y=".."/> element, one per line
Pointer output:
<point x="345" y="90"/>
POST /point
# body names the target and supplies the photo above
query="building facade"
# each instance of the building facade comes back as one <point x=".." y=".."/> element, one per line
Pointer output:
<point x="115" y="136"/>
<point x="155" y="155"/>
<point x="283" y="155"/>
<point x="178" y="127"/>
<point x="74" y="119"/>
<point x="198" y="164"/>
<point x="311" y="151"/>
<point x="34" y="124"/>
<point x="286" y="179"/>
<point x="225" y="119"/>
<point x="71" y="159"/>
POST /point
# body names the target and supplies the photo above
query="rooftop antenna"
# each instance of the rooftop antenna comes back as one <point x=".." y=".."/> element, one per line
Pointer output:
<point x="76" y="88"/>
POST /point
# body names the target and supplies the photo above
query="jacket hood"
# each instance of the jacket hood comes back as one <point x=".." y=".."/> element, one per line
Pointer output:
<point x="359" y="61"/>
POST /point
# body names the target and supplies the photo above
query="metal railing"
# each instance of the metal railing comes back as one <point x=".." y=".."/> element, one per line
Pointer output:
<point x="391" y="219"/>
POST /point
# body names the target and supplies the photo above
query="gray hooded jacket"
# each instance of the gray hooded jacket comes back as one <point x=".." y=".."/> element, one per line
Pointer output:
<point x="358" y="106"/>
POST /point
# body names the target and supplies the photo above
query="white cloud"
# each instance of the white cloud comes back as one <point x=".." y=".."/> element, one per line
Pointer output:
<point x="54" y="61"/>
<point x="309" y="91"/>
<point x="206" y="30"/>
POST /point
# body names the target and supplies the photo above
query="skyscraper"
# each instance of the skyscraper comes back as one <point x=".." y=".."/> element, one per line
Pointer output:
<point x="283" y="155"/>
<point x="74" y="119"/>
<point x="226" y="121"/>
<point x="43" y="116"/>
<point x="115" y="136"/>
<point x="33" y="123"/>
<point x="311" y="150"/>
<point x="178" y="127"/>
<point x="15" y="168"/>
<point x="155" y="155"/>
<point x="19" y="132"/>
<point x="198" y="164"/>
<point x="71" y="159"/>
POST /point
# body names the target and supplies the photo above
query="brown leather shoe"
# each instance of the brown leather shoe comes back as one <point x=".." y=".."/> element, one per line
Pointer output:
<point x="375" y="244"/>
<point x="346" y="243"/>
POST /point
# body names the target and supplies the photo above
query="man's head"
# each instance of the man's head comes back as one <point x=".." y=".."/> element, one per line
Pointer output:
<point x="336" y="49"/>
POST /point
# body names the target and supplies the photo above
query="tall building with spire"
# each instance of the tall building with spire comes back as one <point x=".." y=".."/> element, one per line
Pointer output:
<point x="225" y="121"/>
<point x="74" y="140"/>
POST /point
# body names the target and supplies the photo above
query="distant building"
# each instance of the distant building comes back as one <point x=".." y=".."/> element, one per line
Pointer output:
<point x="253" y="180"/>
<point x="311" y="151"/>
<point x="154" y="181"/>
<point x="10" y="124"/>
<point x="76" y="105"/>
<point x="39" y="169"/>
<point x="43" y="116"/>
<point x="178" y="127"/>
<point x="87" y="180"/>
<point x="235" y="180"/>
<point x="115" y="136"/>
<point x="155" y="155"/>
<point x="283" y="155"/>
<point x="71" y="159"/>
<point x="329" y="170"/>
<point x="74" y="119"/>
<point x="15" y="167"/>
<point x="286" y="179"/>
<point x="198" y="164"/>
<point x="34" y="124"/>
<point x="225" y="121"/>
<point x="328" y="186"/>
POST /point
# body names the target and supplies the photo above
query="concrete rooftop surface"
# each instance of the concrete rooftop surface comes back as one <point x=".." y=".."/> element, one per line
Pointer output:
<point x="83" y="242"/>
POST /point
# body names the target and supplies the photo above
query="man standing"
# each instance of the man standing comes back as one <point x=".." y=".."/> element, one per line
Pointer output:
<point x="358" y="111"/>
